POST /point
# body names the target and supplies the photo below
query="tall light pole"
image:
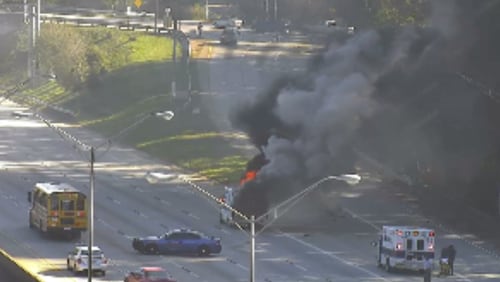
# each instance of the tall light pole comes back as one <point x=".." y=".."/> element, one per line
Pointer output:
<point x="91" y="215"/>
<point x="252" y="247"/>
<point x="275" y="10"/>
<point x="167" y="115"/>
<point x="351" y="179"/>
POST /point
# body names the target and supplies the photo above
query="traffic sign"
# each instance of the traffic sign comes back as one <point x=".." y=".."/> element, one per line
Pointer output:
<point x="138" y="3"/>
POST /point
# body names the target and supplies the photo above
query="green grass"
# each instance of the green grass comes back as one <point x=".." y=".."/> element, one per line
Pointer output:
<point x="141" y="84"/>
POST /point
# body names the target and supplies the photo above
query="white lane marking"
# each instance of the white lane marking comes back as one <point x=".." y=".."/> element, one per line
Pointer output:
<point x="105" y="223"/>
<point x="194" y="216"/>
<point x="189" y="271"/>
<point x="337" y="258"/>
<point x="360" y="218"/>
<point x="165" y="202"/>
<point x="242" y="267"/>
<point x="237" y="264"/>
<point x="300" y="267"/>
<point x="366" y="221"/>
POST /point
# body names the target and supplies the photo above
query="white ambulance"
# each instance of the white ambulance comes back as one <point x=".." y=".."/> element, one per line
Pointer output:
<point x="405" y="247"/>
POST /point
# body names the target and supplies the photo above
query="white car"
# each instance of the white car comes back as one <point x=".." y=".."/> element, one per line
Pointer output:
<point x="77" y="260"/>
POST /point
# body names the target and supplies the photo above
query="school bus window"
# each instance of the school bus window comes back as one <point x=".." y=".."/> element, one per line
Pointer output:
<point x="54" y="202"/>
<point x="80" y="203"/>
<point x="420" y="244"/>
<point x="68" y="205"/>
<point x="409" y="244"/>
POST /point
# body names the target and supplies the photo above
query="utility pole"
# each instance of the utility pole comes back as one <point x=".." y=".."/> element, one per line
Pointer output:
<point x="157" y="10"/>
<point x="26" y="12"/>
<point x="32" y="42"/>
<point x="29" y="20"/>
<point x="174" y="59"/>
<point x="39" y="10"/>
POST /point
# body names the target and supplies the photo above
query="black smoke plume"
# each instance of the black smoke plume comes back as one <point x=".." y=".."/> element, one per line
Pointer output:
<point x="397" y="94"/>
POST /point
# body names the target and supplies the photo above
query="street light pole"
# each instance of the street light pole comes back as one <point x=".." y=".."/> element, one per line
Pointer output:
<point x="91" y="214"/>
<point x="351" y="179"/>
<point x="167" y="115"/>
<point x="252" y="246"/>
<point x="275" y="10"/>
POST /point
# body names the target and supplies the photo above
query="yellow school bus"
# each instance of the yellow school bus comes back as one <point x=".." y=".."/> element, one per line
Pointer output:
<point x="58" y="208"/>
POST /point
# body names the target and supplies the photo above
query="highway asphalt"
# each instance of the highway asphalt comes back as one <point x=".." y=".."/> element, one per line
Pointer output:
<point x="327" y="242"/>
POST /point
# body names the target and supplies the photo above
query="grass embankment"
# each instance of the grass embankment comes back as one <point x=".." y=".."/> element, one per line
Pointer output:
<point x="142" y="84"/>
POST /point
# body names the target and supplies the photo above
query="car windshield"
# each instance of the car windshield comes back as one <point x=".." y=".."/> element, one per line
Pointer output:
<point x="94" y="252"/>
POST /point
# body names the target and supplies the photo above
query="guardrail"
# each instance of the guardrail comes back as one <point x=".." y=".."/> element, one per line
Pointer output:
<point x="127" y="22"/>
<point x="137" y="21"/>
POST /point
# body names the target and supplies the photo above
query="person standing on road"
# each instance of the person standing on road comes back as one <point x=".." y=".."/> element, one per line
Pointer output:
<point x="200" y="27"/>
<point x="427" y="269"/>
<point x="451" y="257"/>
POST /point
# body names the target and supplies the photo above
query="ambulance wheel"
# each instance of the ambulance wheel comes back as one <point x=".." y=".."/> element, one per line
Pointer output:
<point x="388" y="267"/>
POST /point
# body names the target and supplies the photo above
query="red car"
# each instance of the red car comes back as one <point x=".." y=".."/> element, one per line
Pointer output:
<point x="149" y="274"/>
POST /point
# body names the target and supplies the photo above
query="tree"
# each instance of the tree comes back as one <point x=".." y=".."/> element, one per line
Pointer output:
<point x="63" y="52"/>
<point x="398" y="12"/>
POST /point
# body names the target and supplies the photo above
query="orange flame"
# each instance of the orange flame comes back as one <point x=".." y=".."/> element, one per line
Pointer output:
<point x="249" y="176"/>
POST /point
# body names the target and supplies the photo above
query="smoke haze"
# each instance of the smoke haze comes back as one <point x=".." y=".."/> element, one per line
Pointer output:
<point x="392" y="92"/>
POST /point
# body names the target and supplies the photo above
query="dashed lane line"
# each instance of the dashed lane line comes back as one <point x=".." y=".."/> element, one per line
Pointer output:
<point x="337" y="258"/>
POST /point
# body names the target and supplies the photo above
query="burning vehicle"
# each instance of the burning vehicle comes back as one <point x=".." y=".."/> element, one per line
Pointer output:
<point x="249" y="198"/>
<point x="390" y="101"/>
